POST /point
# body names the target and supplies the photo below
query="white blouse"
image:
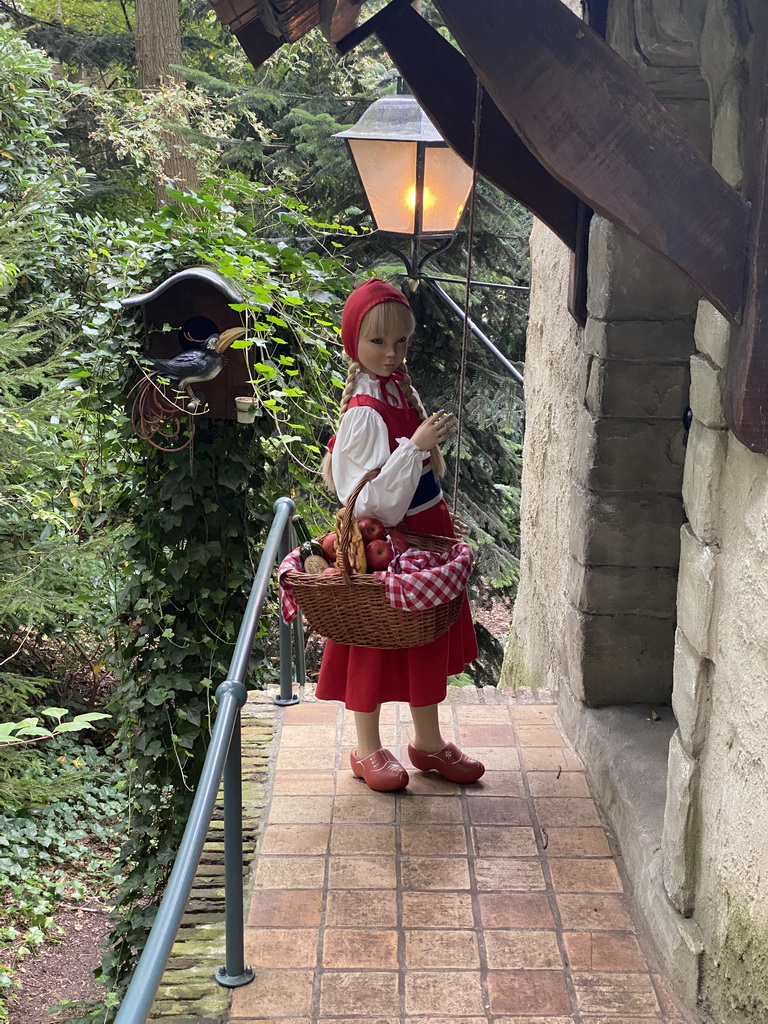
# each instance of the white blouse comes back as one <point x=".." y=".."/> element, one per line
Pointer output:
<point x="362" y="444"/>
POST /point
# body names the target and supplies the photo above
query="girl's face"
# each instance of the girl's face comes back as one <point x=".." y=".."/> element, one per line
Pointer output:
<point x="380" y="356"/>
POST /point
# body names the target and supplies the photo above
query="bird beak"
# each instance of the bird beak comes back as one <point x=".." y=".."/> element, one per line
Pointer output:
<point x="227" y="337"/>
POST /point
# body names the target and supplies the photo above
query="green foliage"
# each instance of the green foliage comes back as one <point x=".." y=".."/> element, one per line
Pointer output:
<point x="29" y="730"/>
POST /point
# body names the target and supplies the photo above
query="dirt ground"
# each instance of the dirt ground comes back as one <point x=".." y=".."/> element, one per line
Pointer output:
<point x="62" y="970"/>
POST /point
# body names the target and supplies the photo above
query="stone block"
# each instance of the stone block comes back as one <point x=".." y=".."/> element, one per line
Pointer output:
<point x="727" y="129"/>
<point x="621" y="529"/>
<point x="627" y="281"/>
<point x="695" y="590"/>
<point x="691" y="696"/>
<point x="721" y="47"/>
<point x="712" y="333"/>
<point x="619" y="659"/>
<point x="707" y="392"/>
<point x="629" y="455"/>
<point x="641" y="340"/>
<point x="618" y="590"/>
<point x="679" y="839"/>
<point x="637" y="390"/>
<point x="704" y="466"/>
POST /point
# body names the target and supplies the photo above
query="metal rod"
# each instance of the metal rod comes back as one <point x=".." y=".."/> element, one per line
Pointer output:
<point x="298" y="651"/>
<point x="233" y="972"/>
<point x="473" y="327"/>
<point x="483" y="284"/>
<point x="149" y="970"/>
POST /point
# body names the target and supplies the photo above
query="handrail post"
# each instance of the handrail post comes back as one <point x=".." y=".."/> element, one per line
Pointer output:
<point x="234" y="973"/>
<point x="287" y="696"/>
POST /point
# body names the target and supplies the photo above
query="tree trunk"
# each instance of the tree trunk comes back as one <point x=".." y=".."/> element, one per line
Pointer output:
<point x="158" y="47"/>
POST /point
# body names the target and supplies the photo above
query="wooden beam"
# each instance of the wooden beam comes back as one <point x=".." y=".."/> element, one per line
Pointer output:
<point x="445" y="86"/>
<point x="746" y="388"/>
<point x="592" y="122"/>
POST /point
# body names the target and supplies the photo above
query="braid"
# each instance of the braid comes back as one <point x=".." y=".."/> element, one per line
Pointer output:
<point x="435" y="455"/>
<point x="326" y="467"/>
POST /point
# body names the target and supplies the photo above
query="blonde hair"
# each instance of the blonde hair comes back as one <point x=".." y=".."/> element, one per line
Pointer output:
<point x="391" y="318"/>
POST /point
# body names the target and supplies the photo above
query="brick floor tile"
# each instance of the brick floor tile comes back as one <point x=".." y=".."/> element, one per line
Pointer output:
<point x="361" y="873"/>
<point x="515" y="910"/>
<point x="430" y="810"/>
<point x="623" y="1020"/>
<point x="499" y="810"/>
<point x="536" y="1020"/>
<point x="577" y="842"/>
<point x="431" y="784"/>
<point x="361" y="908"/>
<point x="427" y="839"/>
<point x="532" y="714"/>
<point x="307" y="714"/>
<point x="505" y="873"/>
<point x="559" y="784"/>
<point x="528" y="992"/>
<point x="316" y="735"/>
<point x="434" y="948"/>
<point x="290" y="873"/>
<point x="585" y="875"/>
<point x="303" y="783"/>
<point x="274" y="994"/>
<point x="522" y="949"/>
<point x="295" y="839"/>
<point x="604" y="951"/>
<point x="503" y="841"/>
<point x="346" y="783"/>
<point x="550" y="759"/>
<point x="495" y="783"/>
<point x="487" y="736"/>
<point x="625" y="995"/>
<point x="343" y="993"/>
<point x="443" y="993"/>
<point x="538" y="735"/>
<point x="434" y="873"/>
<point x="354" y="839"/>
<point x="367" y="808"/>
<point x="594" y="913"/>
<point x="360" y="948"/>
<point x="278" y="908"/>
<point x="468" y="714"/>
<point x="305" y="758"/>
<point x="559" y="811"/>
<point x="495" y="759"/>
<point x="281" y="947"/>
<point x="286" y="810"/>
<point x="437" y="910"/>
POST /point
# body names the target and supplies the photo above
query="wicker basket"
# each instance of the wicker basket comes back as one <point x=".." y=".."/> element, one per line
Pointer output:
<point x="352" y="608"/>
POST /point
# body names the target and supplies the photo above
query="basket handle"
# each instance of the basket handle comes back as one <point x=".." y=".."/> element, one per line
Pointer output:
<point x="345" y="532"/>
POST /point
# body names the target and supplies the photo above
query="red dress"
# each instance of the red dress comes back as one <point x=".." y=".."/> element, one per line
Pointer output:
<point x="364" y="677"/>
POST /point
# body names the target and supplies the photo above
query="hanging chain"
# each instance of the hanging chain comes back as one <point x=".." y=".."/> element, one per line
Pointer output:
<point x="467" y="290"/>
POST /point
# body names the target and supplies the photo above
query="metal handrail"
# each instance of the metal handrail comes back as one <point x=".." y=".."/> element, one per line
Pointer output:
<point x="222" y="758"/>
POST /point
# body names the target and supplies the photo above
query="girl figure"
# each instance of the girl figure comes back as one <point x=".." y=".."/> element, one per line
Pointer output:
<point x="382" y="424"/>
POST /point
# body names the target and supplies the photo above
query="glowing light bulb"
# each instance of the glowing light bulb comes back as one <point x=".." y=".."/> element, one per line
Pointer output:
<point x="428" y="199"/>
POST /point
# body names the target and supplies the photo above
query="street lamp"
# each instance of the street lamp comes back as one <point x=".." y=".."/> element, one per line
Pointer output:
<point x="416" y="186"/>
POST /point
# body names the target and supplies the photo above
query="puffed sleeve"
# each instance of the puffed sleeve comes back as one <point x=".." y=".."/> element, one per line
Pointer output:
<point x="362" y="444"/>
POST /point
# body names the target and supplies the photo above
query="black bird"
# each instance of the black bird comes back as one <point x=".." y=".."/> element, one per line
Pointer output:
<point x="203" y="362"/>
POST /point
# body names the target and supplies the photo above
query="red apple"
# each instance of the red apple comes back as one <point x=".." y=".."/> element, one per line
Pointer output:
<point x="399" y="541"/>
<point x="371" y="529"/>
<point x="328" y="544"/>
<point x="378" y="554"/>
<point x="331" y="571"/>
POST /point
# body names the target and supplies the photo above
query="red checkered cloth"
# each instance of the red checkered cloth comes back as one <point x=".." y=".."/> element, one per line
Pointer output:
<point x="413" y="581"/>
<point x="417" y="580"/>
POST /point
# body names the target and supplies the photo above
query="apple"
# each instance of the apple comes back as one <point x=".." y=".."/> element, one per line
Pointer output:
<point x="371" y="529"/>
<point x="328" y="544"/>
<point x="398" y="541"/>
<point x="378" y="554"/>
<point x="331" y="571"/>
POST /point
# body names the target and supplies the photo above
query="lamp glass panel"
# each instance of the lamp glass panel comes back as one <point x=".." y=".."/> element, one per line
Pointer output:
<point x="388" y="172"/>
<point x="447" y="181"/>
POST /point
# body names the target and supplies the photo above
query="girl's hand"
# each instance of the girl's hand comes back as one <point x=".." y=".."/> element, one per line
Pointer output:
<point x="459" y="528"/>
<point x="433" y="430"/>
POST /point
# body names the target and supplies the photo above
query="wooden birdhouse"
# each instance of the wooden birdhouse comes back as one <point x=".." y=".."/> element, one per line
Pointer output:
<point x="195" y="304"/>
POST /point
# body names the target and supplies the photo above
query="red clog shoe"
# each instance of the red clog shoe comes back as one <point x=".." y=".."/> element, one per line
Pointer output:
<point x="381" y="770"/>
<point x="450" y="762"/>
